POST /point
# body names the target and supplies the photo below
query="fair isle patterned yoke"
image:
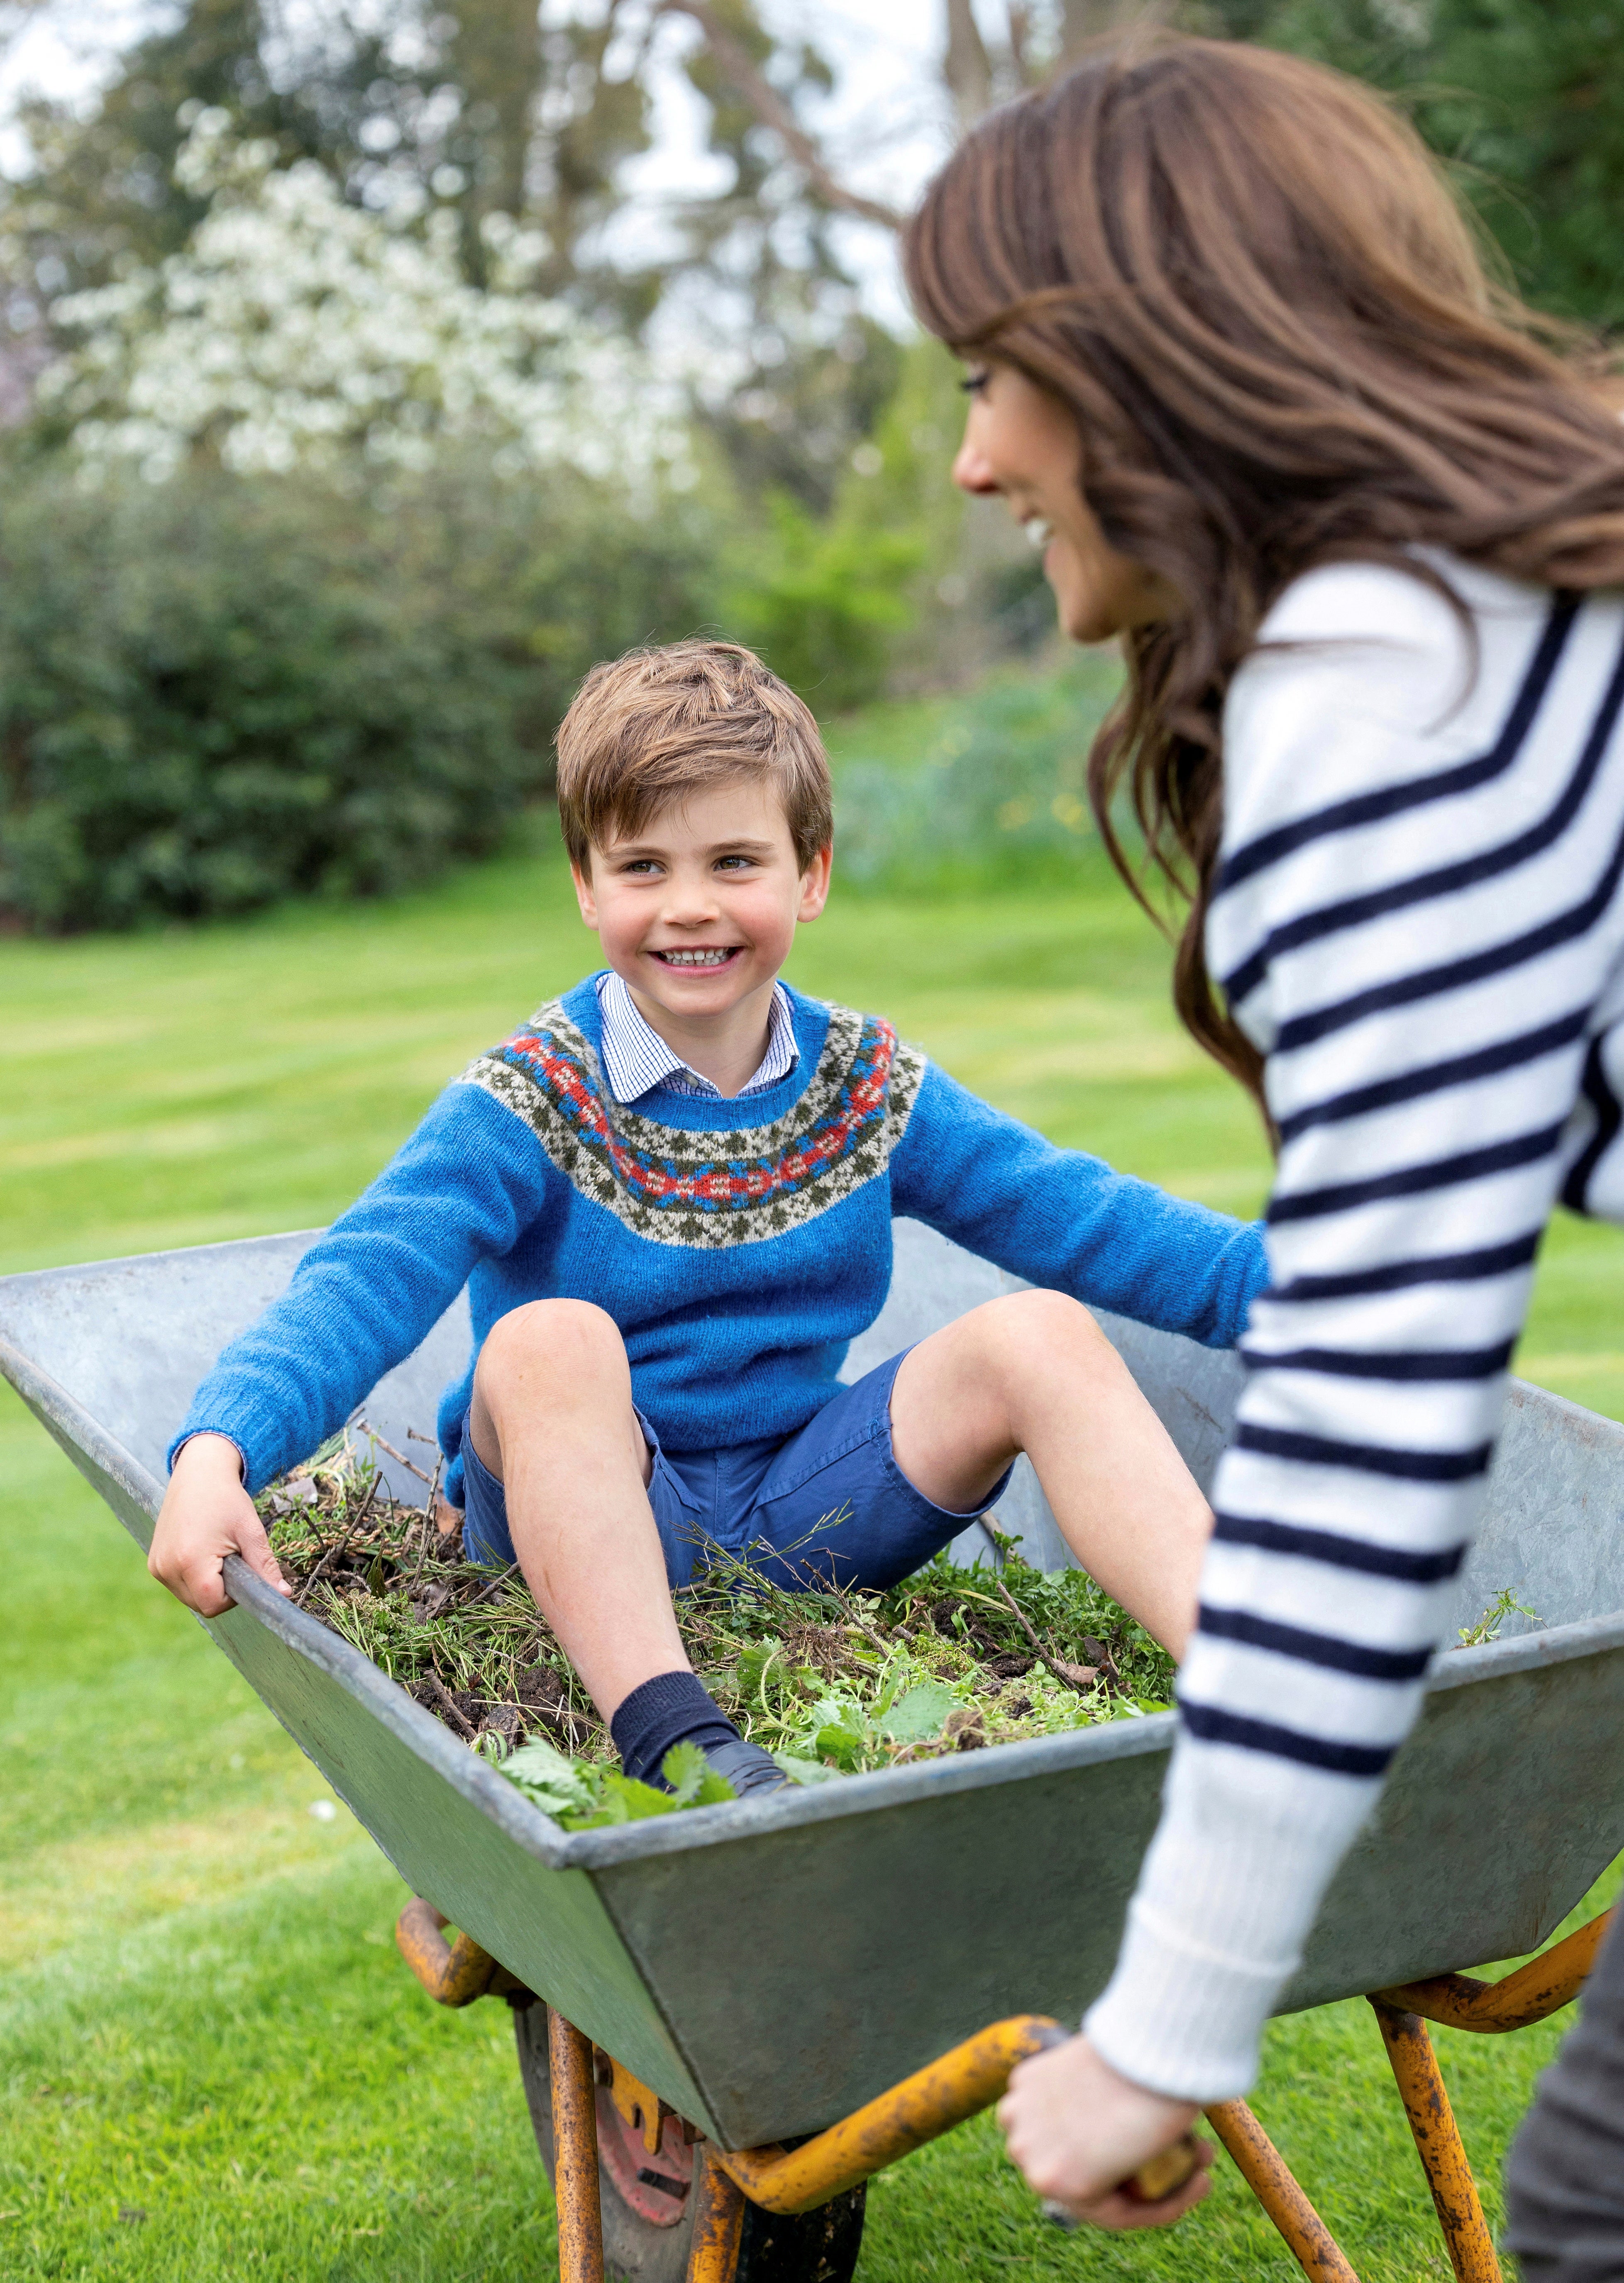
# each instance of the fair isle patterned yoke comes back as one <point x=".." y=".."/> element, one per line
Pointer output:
<point x="708" y="1188"/>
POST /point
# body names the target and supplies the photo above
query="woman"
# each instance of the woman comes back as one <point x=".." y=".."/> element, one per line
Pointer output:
<point x="1232" y="359"/>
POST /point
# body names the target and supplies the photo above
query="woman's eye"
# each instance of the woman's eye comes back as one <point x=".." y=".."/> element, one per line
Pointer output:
<point x="975" y="381"/>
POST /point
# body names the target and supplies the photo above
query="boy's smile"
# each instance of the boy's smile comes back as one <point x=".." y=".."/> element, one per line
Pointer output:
<point x="696" y="911"/>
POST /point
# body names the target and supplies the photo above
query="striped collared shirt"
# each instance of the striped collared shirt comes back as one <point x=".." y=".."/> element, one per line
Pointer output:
<point x="636" y="1058"/>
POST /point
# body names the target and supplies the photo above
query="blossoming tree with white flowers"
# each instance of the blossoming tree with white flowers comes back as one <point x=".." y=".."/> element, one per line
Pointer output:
<point x="296" y="328"/>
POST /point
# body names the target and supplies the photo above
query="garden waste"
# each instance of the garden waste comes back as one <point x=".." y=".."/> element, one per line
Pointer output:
<point x="832" y="1683"/>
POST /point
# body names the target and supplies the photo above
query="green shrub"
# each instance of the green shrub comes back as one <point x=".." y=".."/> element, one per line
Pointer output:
<point x="822" y="602"/>
<point x="1000" y="791"/>
<point x="215" y="693"/>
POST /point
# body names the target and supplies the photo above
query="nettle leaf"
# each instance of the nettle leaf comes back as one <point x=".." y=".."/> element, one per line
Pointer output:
<point x="753" y="1662"/>
<point x="838" y="1744"/>
<point x="627" y="1801"/>
<point x="806" y="1772"/>
<point x="694" y="1781"/>
<point x="918" y="1717"/>
<point x="558" y="1784"/>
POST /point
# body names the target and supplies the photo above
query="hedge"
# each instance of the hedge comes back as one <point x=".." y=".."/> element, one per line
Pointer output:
<point x="215" y="693"/>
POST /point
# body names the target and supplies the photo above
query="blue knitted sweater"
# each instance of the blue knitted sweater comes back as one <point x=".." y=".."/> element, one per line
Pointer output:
<point x="738" y="1260"/>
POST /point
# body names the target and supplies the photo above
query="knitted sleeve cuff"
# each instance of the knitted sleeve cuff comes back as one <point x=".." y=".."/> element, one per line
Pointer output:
<point x="190" y="1434"/>
<point x="1183" y="2021"/>
<point x="1227" y="1895"/>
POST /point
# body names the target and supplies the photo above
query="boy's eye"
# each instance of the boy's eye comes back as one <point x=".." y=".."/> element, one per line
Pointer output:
<point x="732" y="863"/>
<point x="639" y="864"/>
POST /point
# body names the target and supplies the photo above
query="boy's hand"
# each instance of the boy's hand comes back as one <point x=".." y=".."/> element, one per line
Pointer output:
<point x="1077" y="2130"/>
<point x="206" y="1513"/>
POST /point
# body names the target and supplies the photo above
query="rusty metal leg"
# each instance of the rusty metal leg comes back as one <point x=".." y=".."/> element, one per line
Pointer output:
<point x="575" y="2153"/>
<point x="1437" y="2139"/>
<point x="719" y="2222"/>
<point x="1266" y="2173"/>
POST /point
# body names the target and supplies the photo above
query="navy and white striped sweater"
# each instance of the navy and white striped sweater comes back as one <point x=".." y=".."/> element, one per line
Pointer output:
<point x="1418" y="919"/>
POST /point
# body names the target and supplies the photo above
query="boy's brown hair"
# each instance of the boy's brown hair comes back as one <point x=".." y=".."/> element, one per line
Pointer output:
<point x="660" y="725"/>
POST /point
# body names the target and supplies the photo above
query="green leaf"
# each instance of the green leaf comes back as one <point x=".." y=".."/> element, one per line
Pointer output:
<point x="805" y="1771"/>
<point x="841" y="1712"/>
<point x="837" y="1744"/>
<point x="918" y="1716"/>
<point x="558" y="1786"/>
<point x="694" y="1781"/>
<point x="892" y="1675"/>
<point x="638" y="1799"/>
<point x="540" y="1763"/>
<point x="753" y="1662"/>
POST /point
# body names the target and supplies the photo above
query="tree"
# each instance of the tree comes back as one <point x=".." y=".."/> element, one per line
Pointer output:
<point x="1523" y="100"/>
<point x="295" y="327"/>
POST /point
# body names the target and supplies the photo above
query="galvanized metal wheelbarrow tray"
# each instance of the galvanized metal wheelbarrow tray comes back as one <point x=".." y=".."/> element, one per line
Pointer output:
<point x="764" y="1969"/>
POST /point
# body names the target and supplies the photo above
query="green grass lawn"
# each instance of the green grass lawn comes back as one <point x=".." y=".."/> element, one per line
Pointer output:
<point x="212" y="2062"/>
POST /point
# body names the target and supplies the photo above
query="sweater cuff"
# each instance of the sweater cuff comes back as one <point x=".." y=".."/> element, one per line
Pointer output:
<point x="1229" y="1892"/>
<point x="1183" y="2021"/>
<point x="188" y="1434"/>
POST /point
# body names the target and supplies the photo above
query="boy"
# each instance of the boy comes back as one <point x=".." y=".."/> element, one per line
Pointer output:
<point x="671" y="1195"/>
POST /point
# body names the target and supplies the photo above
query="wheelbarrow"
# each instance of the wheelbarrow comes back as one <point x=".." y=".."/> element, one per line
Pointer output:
<point x="709" y="2106"/>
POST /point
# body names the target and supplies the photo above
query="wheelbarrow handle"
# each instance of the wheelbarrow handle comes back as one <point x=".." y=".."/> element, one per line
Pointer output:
<point x="1159" y="2176"/>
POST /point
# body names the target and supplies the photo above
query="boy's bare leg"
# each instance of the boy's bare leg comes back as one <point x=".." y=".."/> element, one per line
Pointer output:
<point x="553" y="1420"/>
<point x="1035" y="1373"/>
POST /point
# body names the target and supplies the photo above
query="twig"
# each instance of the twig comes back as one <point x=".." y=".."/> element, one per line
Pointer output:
<point x="370" y="1502"/>
<point x="486" y="1592"/>
<point x="887" y="1648"/>
<point x="338" y="1547"/>
<point x="1108" y="1663"/>
<point x="1061" y="1673"/>
<point x="412" y="1435"/>
<point x="736" y="67"/>
<point x="448" y="1704"/>
<point x="429" y="1525"/>
<point x="399" y="1457"/>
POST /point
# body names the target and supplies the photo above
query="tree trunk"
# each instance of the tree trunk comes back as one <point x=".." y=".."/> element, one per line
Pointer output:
<point x="496" y="58"/>
<point x="966" y="65"/>
<point x="1083" y="21"/>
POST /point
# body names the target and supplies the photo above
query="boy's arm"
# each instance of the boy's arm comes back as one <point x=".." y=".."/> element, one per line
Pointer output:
<point x="1065" y="1221"/>
<point x="465" y="1187"/>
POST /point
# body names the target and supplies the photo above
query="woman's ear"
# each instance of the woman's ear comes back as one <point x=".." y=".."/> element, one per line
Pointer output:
<point x="815" y="883"/>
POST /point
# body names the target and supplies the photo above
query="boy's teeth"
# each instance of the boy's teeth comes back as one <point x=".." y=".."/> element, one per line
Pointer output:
<point x="1038" y="530"/>
<point x="697" y="958"/>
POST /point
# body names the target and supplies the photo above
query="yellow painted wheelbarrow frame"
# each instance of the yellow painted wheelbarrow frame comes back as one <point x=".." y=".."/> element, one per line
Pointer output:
<point x="971" y="2077"/>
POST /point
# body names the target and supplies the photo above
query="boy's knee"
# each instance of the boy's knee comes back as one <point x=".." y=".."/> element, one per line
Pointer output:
<point x="570" y="1341"/>
<point x="1029" y="1329"/>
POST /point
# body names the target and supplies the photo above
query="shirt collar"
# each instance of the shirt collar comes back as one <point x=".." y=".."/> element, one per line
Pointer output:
<point x="636" y="1058"/>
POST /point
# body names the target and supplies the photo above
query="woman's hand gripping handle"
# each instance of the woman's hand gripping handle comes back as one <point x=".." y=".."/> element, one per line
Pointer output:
<point x="1098" y="2148"/>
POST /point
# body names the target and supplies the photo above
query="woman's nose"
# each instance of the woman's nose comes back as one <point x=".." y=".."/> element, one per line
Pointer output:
<point x="971" y="471"/>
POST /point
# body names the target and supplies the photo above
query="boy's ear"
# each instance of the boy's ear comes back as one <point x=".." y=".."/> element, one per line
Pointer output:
<point x="815" y="883"/>
<point x="584" y="896"/>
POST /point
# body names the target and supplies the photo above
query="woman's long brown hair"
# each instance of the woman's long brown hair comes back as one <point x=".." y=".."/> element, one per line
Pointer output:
<point x="1252" y="284"/>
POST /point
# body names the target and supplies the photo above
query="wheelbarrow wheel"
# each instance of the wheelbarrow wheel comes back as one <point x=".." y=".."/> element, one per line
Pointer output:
<point x="648" y="2204"/>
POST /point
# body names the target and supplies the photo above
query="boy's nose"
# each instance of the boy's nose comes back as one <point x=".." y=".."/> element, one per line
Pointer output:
<point x="690" y="904"/>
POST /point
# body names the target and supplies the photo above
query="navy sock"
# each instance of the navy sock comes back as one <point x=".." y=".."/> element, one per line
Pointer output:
<point x="674" y="1708"/>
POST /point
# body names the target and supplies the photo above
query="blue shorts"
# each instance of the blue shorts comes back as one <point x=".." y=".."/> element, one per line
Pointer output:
<point x="827" y="1505"/>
